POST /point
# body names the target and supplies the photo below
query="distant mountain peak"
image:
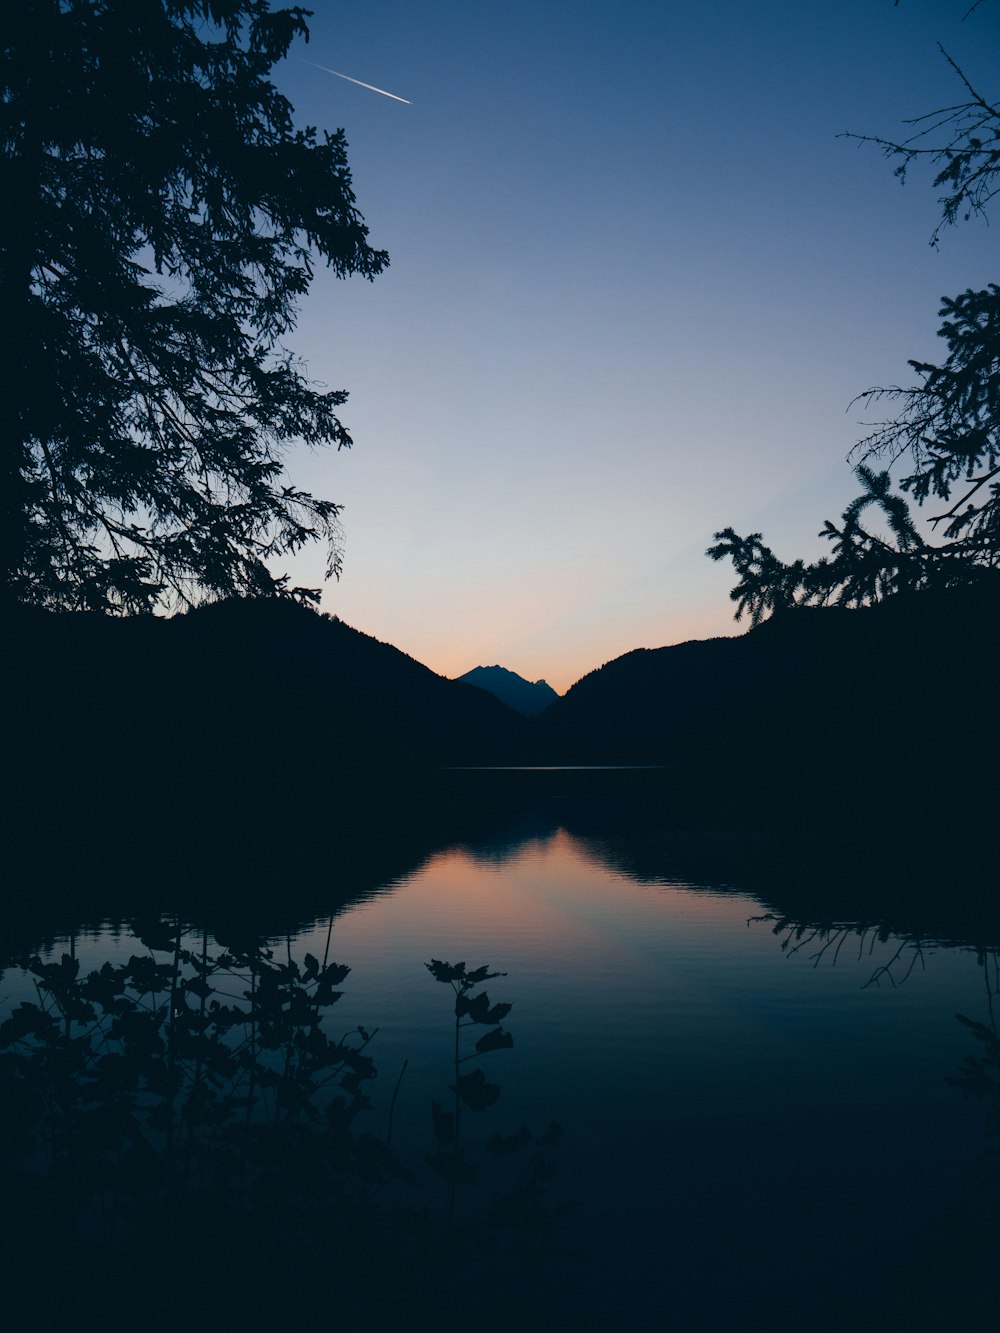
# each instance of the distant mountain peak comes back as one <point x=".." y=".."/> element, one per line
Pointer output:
<point x="524" y="696"/>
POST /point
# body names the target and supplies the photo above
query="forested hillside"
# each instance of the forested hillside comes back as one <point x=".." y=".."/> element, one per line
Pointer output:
<point x="816" y="709"/>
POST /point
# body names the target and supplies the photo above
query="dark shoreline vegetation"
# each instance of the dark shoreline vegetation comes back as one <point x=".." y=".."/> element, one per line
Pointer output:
<point x="201" y="765"/>
<point x="189" y="1114"/>
<point x="860" y="724"/>
<point x="251" y="768"/>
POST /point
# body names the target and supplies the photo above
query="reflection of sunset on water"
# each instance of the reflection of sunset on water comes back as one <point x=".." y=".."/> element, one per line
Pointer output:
<point x="705" y="1060"/>
<point x="550" y="898"/>
<point x="603" y="966"/>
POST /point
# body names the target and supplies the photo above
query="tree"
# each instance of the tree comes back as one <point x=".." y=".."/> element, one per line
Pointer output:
<point x="949" y="429"/>
<point x="865" y="566"/>
<point x="948" y="426"/>
<point x="167" y="217"/>
<point x="961" y="142"/>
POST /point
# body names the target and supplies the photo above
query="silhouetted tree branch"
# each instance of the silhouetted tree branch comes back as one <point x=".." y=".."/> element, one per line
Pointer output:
<point x="948" y="426"/>
<point x="167" y="215"/>
<point x="864" y="567"/>
<point x="962" y="142"/>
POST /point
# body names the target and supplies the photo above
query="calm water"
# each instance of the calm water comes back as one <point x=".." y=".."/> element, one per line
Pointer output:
<point x="758" y="1123"/>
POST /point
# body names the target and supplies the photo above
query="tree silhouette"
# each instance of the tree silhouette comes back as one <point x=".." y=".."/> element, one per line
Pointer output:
<point x="193" y="1110"/>
<point x="167" y="214"/>
<point x="961" y="142"/>
<point x="948" y="426"/>
<point x="865" y="567"/>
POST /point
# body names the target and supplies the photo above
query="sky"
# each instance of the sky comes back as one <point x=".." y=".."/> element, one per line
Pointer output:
<point x="636" y="280"/>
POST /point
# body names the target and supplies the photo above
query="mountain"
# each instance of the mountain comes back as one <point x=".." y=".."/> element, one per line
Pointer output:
<point x="879" y="713"/>
<point x="201" y="739"/>
<point x="524" y="696"/>
<point x="241" y="710"/>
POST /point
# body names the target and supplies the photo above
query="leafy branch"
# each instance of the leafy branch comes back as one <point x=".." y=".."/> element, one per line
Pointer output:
<point x="962" y="142"/>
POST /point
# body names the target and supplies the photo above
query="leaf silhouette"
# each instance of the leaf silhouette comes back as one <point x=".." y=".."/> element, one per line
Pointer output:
<point x="496" y="1040"/>
<point x="156" y="935"/>
<point x="475" y="1092"/>
<point x="502" y="1145"/>
<point x="482" y="974"/>
<point x="445" y="971"/>
<point x="478" y="1009"/>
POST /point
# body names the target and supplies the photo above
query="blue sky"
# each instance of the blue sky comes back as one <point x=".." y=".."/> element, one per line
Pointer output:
<point x="636" y="280"/>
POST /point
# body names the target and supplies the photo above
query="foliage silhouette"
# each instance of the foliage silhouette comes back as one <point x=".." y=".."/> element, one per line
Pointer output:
<point x="948" y="425"/>
<point x="827" y="939"/>
<point x="167" y="216"/>
<point x="866" y="567"/>
<point x="193" y="1074"/>
<point x="950" y="429"/>
<point x="961" y="142"/>
<point x="190" y="1106"/>
<point x="523" y="1202"/>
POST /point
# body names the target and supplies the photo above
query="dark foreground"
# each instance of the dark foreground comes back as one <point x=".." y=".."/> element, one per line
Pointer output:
<point x="189" y="1138"/>
<point x="215" y="789"/>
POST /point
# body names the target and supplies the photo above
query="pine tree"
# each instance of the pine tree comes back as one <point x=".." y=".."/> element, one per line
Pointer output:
<point x="947" y="429"/>
<point x="164" y="215"/>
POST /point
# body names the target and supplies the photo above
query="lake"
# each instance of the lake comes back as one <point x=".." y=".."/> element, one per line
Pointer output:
<point x="760" y="1124"/>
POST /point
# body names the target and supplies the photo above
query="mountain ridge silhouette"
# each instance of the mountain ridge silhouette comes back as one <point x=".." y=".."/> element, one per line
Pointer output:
<point x="236" y="710"/>
<point x="524" y="696"/>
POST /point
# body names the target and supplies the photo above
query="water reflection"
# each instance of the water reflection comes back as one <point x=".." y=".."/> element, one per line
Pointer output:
<point x="740" y="1119"/>
<point x="957" y="1286"/>
<point x="980" y="1074"/>
<point x="824" y="942"/>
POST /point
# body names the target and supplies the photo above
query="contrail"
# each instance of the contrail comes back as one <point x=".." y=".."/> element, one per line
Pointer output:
<point x="370" y="86"/>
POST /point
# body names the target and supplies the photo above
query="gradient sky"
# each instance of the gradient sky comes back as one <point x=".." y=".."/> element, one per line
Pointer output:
<point x="636" y="280"/>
